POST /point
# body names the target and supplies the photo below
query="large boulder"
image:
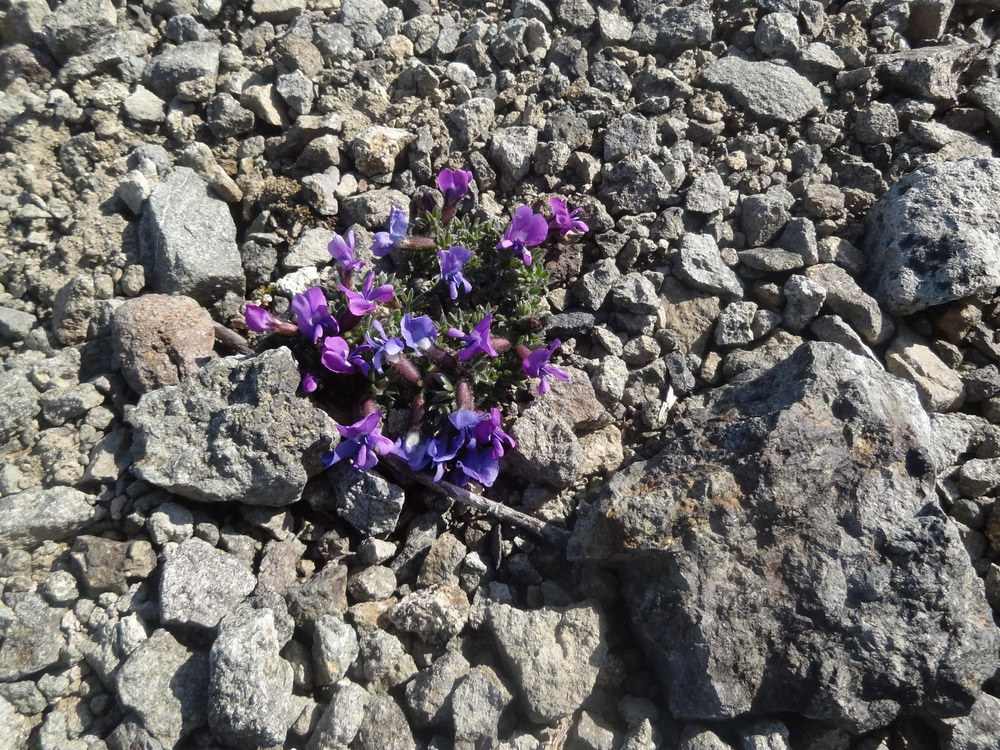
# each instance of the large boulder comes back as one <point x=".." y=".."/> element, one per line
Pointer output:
<point x="935" y="236"/>
<point x="233" y="431"/>
<point x="787" y="553"/>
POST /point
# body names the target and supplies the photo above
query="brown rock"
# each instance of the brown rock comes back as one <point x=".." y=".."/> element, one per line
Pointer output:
<point x="105" y="565"/>
<point x="159" y="339"/>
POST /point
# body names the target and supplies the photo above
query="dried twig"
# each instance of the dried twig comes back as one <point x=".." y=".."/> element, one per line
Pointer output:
<point x="228" y="337"/>
<point x="547" y="532"/>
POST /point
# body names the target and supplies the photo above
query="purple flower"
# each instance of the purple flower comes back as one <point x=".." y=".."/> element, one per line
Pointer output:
<point x="477" y="341"/>
<point x="258" y="319"/>
<point x="386" y="242"/>
<point x="565" y="220"/>
<point x="488" y="432"/>
<point x="309" y="382"/>
<point x="419" y="333"/>
<point x="476" y="463"/>
<point x="454" y="184"/>
<point x="364" y="302"/>
<point x="536" y="365"/>
<point x="451" y="261"/>
<point x="337" y="356"/>
<point x="457" y="434"/>
<point x="384" y="348"/>
<point x="413" y="450"/>
<point x="342" y="250"/>
<point x="526" y="229"/>
<point x="313" y="313"/>
<point x="361" y="443"/>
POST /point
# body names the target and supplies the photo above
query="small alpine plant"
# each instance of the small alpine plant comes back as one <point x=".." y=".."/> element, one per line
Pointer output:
<point x="435" y="339"/>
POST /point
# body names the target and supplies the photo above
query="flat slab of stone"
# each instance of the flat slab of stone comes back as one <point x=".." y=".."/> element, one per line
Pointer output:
<point x="200" y="585"/>
<point x="787" y="552"/>
<point x="935" y="236"/>
<point x="766" y="90"/>
<point x="236" y="430"/>
<point x="31" y="517"/>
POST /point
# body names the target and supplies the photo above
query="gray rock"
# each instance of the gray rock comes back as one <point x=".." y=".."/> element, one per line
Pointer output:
<point x="366" y="501"/>
<point x="428" y="695"/>
<point x="341" y="719"/>
<point x="158" y="339"/>
<point x="166" y="685"/>
<point x="226" y="117"/>
<point x="979" y="730"/>
<point x="200" y="585"/>
<point x="699" y="265"/>
<point x="75" y="25"/>
<point x="21" y="405"/>
<point x="477" y="703"/>
<point x="372" y="584"/>
<point x="910" y="357"/>
<point x="512" y="151"/>
<point x="234" y="430"/>
<point x="371" y="208"/>
<point x="735" y="326"/>
<point x="384" y="726"/>
<point x="876" y="123"/>
<point x="170" y="522"/>
<point x="592" y="288"/>
<point x="804" y="299"/>
<point x="845" y="298"/>
<point x="670" y="30"/>
<point x="635" y="293"/>
<point x="105" y="565"/>
<point x="707" y="194"/>
<point x="765" y="90"/>
<point x="376" y="149"/>
<point x="634" y="185"/>
<point x="278" y="11"/>
<point x="696" y="737"/>
<point x="778" y="35"/>
<point x="188" y="240"/>
<point x="833" y="329"/>
<point x="74" y="309"/>
<point x="37" y="515"/>
<point x="629" y="134"/>
<point x="309" y="250"/>
<point x="15" y="325"/>
<point x="382" y="661"/>
<point x="32" y="639"/>
<point x="60" y="405"/>
<point x="765" y="735"/>
<point x="250" y="685"/>
<point x="763" y="217"/>
<point x="354" y="13"/>
<point x="435" y="614"/>
<point x="143" y="106"/>
<point x="554" y="654"/>
<point x="770" y="260"/>
<point x="188" y="71"/>
<point x="473" y="119"/>
<point x="930" y="73"/>
<point x="334" y="649"/>
<point x="323" y="594"/>
<point x="854" y="539"/>
<point x="16" y="727"/>
<point x="935" y="236"/>
<point x="799" y="236"/>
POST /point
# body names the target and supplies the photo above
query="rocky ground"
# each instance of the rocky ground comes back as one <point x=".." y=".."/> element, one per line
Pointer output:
<point x="776" y="460"/>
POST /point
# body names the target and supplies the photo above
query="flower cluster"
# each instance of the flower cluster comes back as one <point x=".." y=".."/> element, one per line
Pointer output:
<point x="440" y="358"/>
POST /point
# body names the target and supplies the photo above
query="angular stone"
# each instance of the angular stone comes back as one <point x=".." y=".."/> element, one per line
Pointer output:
<point x="435" y="614"/>
<point x="802" y="495"/>
<point x="554" y="654"/>
<point x="669" y="30"/>
<point x="167" y="687"/>
<point x="911" y="358"/>
<point x="634" y="185"/>
<point x="250" y="686"/>
<point x="707" y="194"/>
<point x="236" y="430"/>
<point x="334" y="649"/>
<point x="699" y="264"/>
<point x="428" y="695"/>
<point x="188" y="71"/>
<point x="158" y="339"/>
<point x="341" y="719"/>
<point x="366" y="501"/>
<point x="846" y="299"/>
<point x="930" y="73"/>
<point x="32" y="638"/>
<point x="188" y="240"/>
<point x="75" y="25"/>
<point x="31" y="517"/>
<point x="376" y="149"/>
<point x="766" y="90"/>
<point x="105" y="565"/>
<point x="935" y="236"/>
<point x="200" y="585"/>
<point x="477" y="703"/>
